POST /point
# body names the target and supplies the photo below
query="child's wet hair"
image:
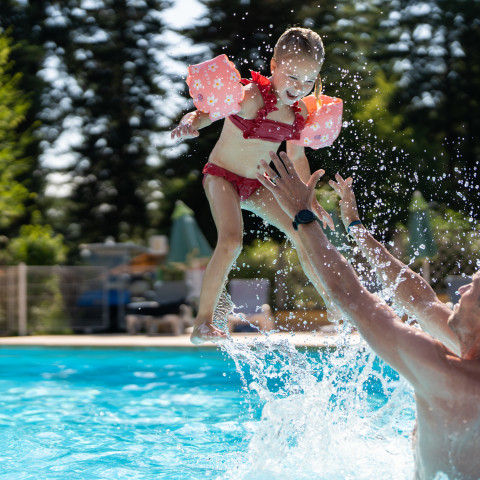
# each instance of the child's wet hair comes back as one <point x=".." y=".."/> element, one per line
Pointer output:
<point x="298" y="40"/>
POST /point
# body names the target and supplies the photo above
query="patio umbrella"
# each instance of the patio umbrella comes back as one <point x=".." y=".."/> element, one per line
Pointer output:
<point x="422" y="244"/>
<point x="187" y="242"/>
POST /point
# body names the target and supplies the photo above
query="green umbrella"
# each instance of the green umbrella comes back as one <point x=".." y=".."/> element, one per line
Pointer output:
<point x="187" y="242"/>
<point x="422" y="244"/>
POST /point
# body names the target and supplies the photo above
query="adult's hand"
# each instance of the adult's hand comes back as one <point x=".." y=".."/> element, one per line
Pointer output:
<point x="348" y="203"/>
<point x="291" y="193"/>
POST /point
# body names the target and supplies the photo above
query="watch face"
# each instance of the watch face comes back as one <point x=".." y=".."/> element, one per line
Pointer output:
<point x="305" y="216"/>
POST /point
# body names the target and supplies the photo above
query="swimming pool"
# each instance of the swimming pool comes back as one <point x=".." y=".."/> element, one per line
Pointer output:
<point x="267" y="412"/>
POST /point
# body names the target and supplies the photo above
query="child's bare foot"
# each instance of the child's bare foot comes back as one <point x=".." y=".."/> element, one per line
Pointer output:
<point x="206" y="332"/>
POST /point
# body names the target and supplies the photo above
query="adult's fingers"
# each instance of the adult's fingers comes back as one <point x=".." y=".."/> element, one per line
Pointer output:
<point x="336" y="187"/>
<point x="340" y="180"/>
<point x="341" y="184"/>
<point x="265" y="182"/>
<point x="347" y="182"/>
<point x="328" y="219"/>
<point x="315" y="177"/>
<point x="279" y="164"/>
<point x="268" y="170"/>
<point x="287" y="163"/>
<point x="323" y="216"/>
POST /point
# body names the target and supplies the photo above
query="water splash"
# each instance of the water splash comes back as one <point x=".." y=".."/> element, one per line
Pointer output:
<point x="223" y="309"/>
<point x="330" y="413"/>
<point x="326" y="414"/>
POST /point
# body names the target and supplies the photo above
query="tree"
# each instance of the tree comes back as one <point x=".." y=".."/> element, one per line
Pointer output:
<point x="434" y="51"/>
<point x="37" y="245"/>
<point x="110" y="98"/>
<point x="15" y="139"/>
<point x="26" y="53"/>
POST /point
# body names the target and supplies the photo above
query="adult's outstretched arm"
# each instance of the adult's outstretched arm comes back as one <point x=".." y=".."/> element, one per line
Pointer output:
<point x="413" y="353"/>
<point x="409" y="290"/>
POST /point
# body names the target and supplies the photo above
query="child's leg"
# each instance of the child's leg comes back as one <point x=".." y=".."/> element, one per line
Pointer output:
<point x="265" y="206"/>
<point x="227" y="214"/>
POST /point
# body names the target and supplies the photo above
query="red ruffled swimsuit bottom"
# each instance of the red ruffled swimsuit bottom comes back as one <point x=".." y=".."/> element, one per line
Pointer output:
<point x="245" y="187"/>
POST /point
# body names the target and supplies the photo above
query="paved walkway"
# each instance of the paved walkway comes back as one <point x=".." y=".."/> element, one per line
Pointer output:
<point x="181" y="341"/>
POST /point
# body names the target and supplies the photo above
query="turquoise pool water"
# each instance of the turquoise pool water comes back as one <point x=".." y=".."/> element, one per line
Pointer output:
<point x="267" y="412"/>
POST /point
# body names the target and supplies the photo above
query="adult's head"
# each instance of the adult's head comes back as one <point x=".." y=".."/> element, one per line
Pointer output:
<point x="297" y="59"/>
<point x="465" y="318"/>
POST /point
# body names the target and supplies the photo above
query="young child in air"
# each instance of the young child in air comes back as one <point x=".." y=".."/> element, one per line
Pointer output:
<point x="267" y="112"/>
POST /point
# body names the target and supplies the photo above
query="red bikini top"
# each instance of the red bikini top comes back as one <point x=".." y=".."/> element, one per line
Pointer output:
<point x="263" y="128"/>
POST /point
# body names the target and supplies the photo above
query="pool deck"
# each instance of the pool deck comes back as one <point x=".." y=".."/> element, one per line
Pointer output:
<point x="164" y="341"/>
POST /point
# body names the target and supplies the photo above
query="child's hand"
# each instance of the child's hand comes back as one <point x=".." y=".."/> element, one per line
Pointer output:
<point x="348" y="203"/>
<point x="184" y="131"/>
<point x="187" y="128"/>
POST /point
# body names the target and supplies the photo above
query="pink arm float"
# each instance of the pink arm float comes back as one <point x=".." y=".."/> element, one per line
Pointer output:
<point x="215" y="87"/>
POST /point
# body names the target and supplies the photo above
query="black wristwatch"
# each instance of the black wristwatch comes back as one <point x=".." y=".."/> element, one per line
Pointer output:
<point x="303" y="216"/>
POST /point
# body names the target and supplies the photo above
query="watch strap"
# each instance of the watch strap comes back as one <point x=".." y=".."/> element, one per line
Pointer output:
<point x="352" y="224"/>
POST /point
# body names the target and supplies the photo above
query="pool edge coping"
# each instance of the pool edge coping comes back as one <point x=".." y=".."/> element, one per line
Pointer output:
<point x="182" y="341"/>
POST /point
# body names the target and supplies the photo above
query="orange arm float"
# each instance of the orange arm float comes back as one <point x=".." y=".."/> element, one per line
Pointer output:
<point x="323" y="123"/>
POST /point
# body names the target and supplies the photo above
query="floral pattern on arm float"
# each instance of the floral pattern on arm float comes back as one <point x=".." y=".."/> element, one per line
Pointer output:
<point x="323" y="123"/>
<point x="215" y="87"/>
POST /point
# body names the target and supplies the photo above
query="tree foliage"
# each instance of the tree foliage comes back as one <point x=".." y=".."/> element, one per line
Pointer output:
<point x="111" y="99"/>
<point x="434" y="60"/>
<point x="37" y="245"/>
<point x="15" y="164"/>
<point x="407" y="72"/>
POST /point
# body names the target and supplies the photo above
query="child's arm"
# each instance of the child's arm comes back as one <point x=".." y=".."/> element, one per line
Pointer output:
<point x="190" y="124"/>
<point x="300" y="160"/>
